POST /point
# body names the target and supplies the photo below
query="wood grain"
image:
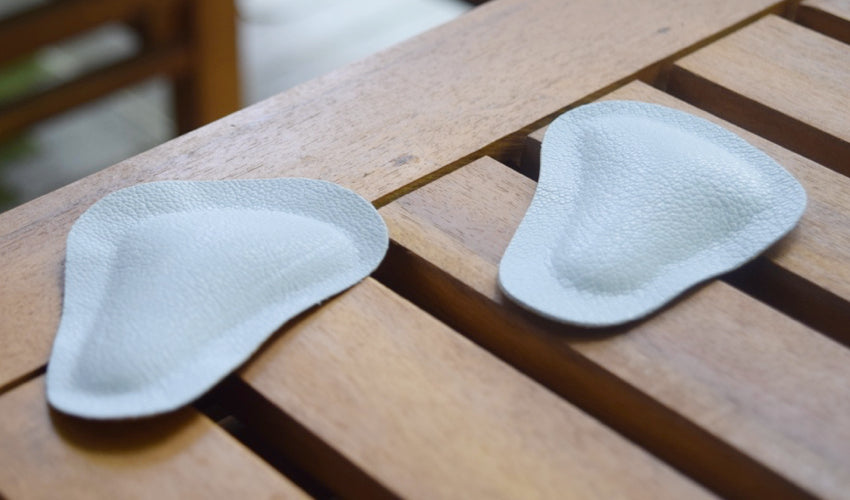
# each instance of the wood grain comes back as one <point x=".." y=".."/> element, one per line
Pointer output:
<point x="377" y="126"/>
<point x="428" y="414"/>
<point x="830" y="17"/>
<point x="48" y="455"/>
<point x="780" y="80"/>
<point x="743" y="373"/>
<point x="817" y="252"/>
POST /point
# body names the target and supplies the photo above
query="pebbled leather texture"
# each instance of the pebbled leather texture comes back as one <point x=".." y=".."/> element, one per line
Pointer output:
<point x="636" y="203"/>
<point x="169" y="286"/>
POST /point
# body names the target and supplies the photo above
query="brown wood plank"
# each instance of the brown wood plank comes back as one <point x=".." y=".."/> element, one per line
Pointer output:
<point x="426" y="413"/>
<point x="756" y="386"/>
<point x="183" y="455"/>
<point x="377" y="126"/>
<point x="830" y="17"/>
<point x="780" y="80"/>
<point x="808" y="272"/>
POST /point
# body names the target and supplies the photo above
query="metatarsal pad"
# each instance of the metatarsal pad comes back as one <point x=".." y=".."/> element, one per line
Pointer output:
<point x="169" y="286"/>
<point x="636" y="203"/>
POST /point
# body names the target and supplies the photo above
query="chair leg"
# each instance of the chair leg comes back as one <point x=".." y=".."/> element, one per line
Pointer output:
<point x="160" y="23"/>
<point x="210" y="89"/>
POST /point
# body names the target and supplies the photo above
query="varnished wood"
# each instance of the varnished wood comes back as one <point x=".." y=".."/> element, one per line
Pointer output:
<point x="380" y="126"/>
<point x="48" y="455"/>
<point x="830" y="17"/>
<point x="817" y="252"/>
<point x="778" y="79"/>
<point x="428" y="414"/>
<point x="741" y="371"/>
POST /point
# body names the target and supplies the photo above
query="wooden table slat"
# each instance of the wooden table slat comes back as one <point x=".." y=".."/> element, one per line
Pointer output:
<point x="817" y="250"/>
<point x="780" y="80"/>
<point x="756" y="379"/>
<point x="183" y="455"/>
<point x="428" y="414"/>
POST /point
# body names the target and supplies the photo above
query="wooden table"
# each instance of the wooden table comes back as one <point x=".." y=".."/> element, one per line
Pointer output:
<point x="423" y="381"/>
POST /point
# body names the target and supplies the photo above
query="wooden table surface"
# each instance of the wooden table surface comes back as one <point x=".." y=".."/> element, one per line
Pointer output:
<point x="423" y="381"/>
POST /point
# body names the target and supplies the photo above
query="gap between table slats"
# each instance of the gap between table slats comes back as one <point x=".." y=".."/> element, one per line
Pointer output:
<point x="180" y="455"/>
<point x="375" y="398"/>
<point x="830" y="17"/>
<point x="779" y="80"/>
<point x="716" y="357"/>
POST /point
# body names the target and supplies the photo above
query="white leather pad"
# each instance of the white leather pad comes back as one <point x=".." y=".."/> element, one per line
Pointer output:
<point x="169" y="286"/>
<point x="636" y="203"/>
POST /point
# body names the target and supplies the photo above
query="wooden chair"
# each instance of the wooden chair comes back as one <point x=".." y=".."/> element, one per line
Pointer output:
<point x="190" y="41"/>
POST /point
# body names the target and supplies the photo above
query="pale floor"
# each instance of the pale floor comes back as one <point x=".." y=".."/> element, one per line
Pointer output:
<point x="281" y="43"/>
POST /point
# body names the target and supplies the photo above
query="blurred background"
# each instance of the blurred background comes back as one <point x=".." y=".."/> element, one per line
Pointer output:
<point x="87" y="83"/>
